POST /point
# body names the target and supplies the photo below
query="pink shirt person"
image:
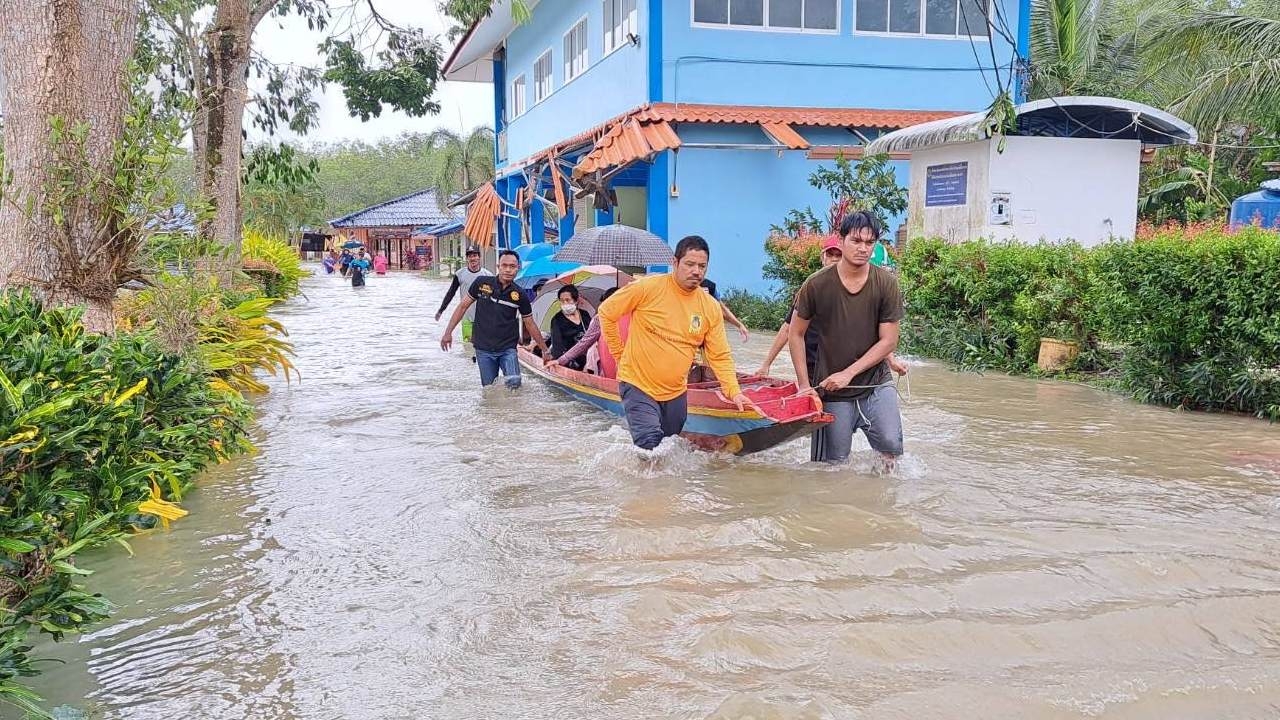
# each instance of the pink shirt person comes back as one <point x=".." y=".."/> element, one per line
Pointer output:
<point x="380" y="264"/>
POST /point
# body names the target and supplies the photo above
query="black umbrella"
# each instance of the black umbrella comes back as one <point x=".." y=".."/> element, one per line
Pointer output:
<point x="616" y="245"/>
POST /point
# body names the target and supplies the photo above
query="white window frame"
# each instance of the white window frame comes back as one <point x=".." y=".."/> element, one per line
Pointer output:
<point x="538" y="94"/>
<point x="630" y="24"/>
<point x="766" y="27"/>
<point x="569" y="57"/>
<point x="922" y="34"/>
<point x="517" y="100"/>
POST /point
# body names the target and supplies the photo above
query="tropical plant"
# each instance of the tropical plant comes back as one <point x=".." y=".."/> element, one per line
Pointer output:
<point x="1077" y="49"/>
<point x="464" y="162"/>
<point x="98" y="435"/>
<point x="1234" y="55"/>
<point x="275" y="261"/>
<point x="230" y="337"/>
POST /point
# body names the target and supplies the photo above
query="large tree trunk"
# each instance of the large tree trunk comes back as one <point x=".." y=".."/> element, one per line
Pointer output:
<point x="219" y="122"/>
<point x="63" y="59"/>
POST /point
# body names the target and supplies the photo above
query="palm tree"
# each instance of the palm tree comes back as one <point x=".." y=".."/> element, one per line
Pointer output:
<point x="463" y="163"/>
<point x="1077" y="49"/>
<point x="1236" y="60"/>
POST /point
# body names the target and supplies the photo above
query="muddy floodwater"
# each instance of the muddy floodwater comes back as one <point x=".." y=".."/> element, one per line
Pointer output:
<point x="406" y="546"/>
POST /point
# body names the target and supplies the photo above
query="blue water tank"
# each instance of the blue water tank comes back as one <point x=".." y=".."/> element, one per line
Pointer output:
<point x="1260" y="208"/>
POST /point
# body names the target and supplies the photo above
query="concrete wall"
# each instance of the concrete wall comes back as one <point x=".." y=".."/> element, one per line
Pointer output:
<point x="610" y="86"/>
<point x="1068" y="189"/>
<point x="1058" y="188"/>
<point x="842" y="69"/>
<point x="953" y="222"/>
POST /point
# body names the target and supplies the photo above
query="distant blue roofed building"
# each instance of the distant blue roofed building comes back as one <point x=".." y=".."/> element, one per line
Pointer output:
<point x="414" y="230"/>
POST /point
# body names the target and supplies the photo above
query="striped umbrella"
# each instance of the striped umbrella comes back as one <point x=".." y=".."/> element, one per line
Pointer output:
<point x="617" y="245"/>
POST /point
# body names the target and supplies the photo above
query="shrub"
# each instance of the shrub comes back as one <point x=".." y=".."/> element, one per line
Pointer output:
<point x="1189" y="317"/>
<point x="761" y="312"/>
<point x="97" y="435"/>
<point x="792" y="259"/>
<point x="231" y="336"/>
<point x="273" y="263"/>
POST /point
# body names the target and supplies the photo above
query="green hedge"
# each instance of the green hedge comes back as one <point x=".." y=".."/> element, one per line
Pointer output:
<point x="1185" y="320"/>
<point x="759" y="312"/>
<point x="91" y="427"/>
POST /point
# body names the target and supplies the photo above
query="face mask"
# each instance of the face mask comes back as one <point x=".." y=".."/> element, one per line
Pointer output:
<point x="569" y="309"/>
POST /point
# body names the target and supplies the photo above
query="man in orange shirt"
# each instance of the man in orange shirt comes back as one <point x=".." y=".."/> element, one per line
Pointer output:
<point x="671" y="319"/>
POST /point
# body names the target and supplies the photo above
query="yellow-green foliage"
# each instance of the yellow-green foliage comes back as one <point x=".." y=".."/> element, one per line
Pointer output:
<point x="231" y="335"/>
<point x="274" y="262"/>
<point x="98" y="434"/>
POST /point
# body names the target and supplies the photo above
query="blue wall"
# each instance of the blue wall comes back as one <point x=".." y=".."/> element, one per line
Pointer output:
<point x="610" y="86"/>
<point x="732" y="197"/>
<point x="792" y="69"/>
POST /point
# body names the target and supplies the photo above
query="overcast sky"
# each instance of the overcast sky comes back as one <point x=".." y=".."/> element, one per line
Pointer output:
<point x="463" y="105"/>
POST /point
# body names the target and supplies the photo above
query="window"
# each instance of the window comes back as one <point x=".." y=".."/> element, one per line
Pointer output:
<point x="542" y="82"/>
<point x="819" y="15"/>
<point x="575" y="51"/>
<point x="946" y="18"/>
<point x="619" y="22"/>
<point x="515" y="103"/>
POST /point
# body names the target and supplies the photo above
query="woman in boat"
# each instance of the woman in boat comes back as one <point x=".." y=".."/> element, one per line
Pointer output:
<point x="580" y="349"/>
<point x="569" y="326"/>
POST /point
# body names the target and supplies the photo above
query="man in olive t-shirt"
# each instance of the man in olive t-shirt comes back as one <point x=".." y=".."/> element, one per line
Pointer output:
<point x="855" y="308"/>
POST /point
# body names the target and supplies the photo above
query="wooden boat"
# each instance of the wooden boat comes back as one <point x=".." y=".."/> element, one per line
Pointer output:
<point x="714" y="423"/>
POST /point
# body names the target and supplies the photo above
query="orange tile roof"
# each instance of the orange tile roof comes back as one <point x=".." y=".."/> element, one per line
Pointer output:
<point x="785" y="135"/>
<point x="627" y="141"/>
<point x="818" y="117"/>
<point x="743" y="114"/>
<point x="647" y="130"/>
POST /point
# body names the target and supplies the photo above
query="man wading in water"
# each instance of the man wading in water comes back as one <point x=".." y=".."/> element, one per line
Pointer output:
<point x="671" y="318"/>
<point x="501" y="307"/>
<point x="855" y="308"/>
<point x="463" y="280"/>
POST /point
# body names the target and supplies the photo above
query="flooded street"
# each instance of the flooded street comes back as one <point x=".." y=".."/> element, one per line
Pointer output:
<point x="405" y="546"/>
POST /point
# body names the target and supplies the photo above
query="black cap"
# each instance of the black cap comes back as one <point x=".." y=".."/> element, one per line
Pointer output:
<point x="473" y="250"/>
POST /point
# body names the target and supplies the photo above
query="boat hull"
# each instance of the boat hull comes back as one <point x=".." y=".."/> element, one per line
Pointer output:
<point x="714" y="423"/>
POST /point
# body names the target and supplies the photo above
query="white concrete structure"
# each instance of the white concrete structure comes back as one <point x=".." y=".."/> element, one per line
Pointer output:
<point x="1069" y="172"/>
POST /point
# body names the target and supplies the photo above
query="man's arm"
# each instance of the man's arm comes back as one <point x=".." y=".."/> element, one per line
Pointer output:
<point x="447" y="338"/>
<point x="535" y="332"/>
<point x="779" y="341"/>
<point x="795" y="343"/>
<point x="620" y="304"/>
<point x="733" y="320"/>
<point x="590" y="338"/>
<point x="884" y="347"/>
<point x="720" y="358"/>
<point x="448" y="296"/>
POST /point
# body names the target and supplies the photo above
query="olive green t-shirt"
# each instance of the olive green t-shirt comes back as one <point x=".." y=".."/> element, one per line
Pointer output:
<point x="848" y="324"/>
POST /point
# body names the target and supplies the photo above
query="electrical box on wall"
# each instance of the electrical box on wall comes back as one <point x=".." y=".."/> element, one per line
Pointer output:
<point x="1000" y="211"/>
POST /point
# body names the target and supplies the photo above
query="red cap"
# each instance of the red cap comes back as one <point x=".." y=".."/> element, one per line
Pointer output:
<point x="832" y="242"/>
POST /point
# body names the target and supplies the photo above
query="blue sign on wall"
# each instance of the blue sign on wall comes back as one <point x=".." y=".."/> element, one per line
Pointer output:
<point x="946" y="184"/>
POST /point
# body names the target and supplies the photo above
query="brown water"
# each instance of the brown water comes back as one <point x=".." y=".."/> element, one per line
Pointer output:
<point x="406" y="546"/>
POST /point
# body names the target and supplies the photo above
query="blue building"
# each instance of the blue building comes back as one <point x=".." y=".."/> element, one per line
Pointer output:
<point x="707" y="116"/>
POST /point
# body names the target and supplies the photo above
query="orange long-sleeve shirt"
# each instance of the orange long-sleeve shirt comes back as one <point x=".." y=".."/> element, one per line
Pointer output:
<point x="668" y="325"/>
